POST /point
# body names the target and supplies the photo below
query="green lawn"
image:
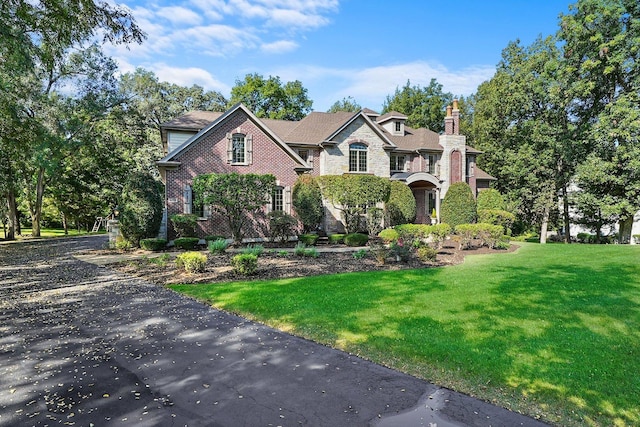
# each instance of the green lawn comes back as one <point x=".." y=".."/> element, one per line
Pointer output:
<point x="552" y="331"/>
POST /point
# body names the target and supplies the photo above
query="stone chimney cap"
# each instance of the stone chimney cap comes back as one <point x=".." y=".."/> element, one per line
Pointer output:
<point x="455" y="104"/>
<point x="448" y="110"/>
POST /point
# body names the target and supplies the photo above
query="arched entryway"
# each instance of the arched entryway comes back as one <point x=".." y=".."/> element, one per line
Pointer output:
<point x="426" y="190"/>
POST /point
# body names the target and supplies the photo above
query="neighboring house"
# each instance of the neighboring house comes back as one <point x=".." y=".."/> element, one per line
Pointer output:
<point x="365" y="142"/>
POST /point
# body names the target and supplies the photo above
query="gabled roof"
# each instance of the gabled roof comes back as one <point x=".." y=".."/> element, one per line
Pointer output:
<point x="374" y="126"/>
<point x="170" y="158"/>
<point x="417" y="139"/>
<point x="391" y="115"/>
<point x="482" y="175"/>
<point x="316" y="127"/>
<point x="193" y="120"/>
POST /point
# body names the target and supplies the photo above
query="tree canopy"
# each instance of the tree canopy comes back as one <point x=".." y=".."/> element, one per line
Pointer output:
<point x="270" y="98"/>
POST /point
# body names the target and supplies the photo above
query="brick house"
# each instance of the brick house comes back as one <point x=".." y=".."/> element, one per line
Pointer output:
<point x="365" y="142"/>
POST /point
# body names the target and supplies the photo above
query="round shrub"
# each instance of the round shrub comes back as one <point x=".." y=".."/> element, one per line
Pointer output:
<point x="141" y="205"/>
<point x="497" y="217"/>
<point x="218" y="246"/>
<point x="490" y="199"/>
<point x="185" y="224"/>
<point x="389" y="235"/>
<point x="401" y="206"/>
<point x="245" y="264"/>
<point x="153" y="244"/>
<point x="281" y="226"/>
<point x="336" y="239"/>
<point x="307" y="202"/>
<point x="186" y="243"/>
<point x="426" y="254"/>
<point x="356" y="239"/>
<point x="192" y="262"/>
<point x="458" y="206"/>
<point x="308" y="239"/>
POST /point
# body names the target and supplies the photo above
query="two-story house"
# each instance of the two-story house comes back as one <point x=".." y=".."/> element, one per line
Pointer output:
<point x="365" y="142"/>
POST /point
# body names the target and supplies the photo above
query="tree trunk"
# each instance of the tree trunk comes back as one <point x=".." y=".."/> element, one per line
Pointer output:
<point x="36" y="215"/>
<point x="14" y="228"/>
<point x="545" y="225"/>
<point x="65" y="225"/>
<point x="565" y="208"/>
<point x="624" y="229"/>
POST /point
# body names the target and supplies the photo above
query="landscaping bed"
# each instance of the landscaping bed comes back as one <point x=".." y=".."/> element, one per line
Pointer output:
<point x="273" y="264"/>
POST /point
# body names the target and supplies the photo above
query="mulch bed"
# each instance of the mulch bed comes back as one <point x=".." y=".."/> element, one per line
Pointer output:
<point x="272" y="265"/>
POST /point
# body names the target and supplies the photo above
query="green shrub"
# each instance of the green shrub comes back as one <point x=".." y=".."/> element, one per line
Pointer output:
<point x="245" y="263"/>
<point x="374" y="220"/>
<point x="380" y="253"/>
<point x="213" y="238"/>
<point x="256" y="250"/>
<point x="401" y="206"/>
<point x="583" y="237"/>
<point x="153" y="244"/>
<point x="184" y="224"/>
<point x="283" y="254"/>
<point x="123" y="244"/>
<point x="488" y="234"/>
<point x="490" y="199"/>
<point x="311" y="252"/>
<point x="161" y="260"/>
<point x="458" y="206"/>
<point x="218" y="246"/>
<point x="360" y="254"/>
<point x="389" y="235"/>
<point x="192" y="262"/>
<point x="141" y="205"/>
<point x="336" y="239"/>
<point x="497" y="217"/>
<point x="356" y="239"/>
<point x="400" y="251"/>
<point x="186" y="243"/>
<point x="466" y="232"/>
<point x="503" y="245"/>
<point x="299" y="249"/>
<point x="439" y="233"/>
<point x="426" y="254"/>
<point x="307" y="202"/>
<point x="308" y="239"/>
<point x="281" y="226"/>
<point x="413" y="234"/>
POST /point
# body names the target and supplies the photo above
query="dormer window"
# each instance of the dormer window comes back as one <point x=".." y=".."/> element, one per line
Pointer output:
<point x="398" y="127"/>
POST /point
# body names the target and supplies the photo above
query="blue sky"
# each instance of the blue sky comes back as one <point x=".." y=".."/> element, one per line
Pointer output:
<point x="337" y="48"/>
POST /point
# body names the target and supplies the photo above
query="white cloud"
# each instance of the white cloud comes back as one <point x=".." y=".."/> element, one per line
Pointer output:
<point x="179" y="15"/>
<point x="188" y="77"/>
<point x="370" y="86"/>
<point x="281" y="46"/>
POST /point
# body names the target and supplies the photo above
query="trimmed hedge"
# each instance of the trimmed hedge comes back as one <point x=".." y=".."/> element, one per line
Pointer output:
<point x="389" y="235"/>
<point x="186" y="243"/>
<point x="488" y="234"/>
<point x="497" y="217"/>
<point x="336" y="239"/>
<point x="184" y="224"/>
<point x="308" y="239"/>
<point x="213" y="238"/>
<point x="192" y="262"/>
<point x="459" y="205"/>
<point x="356" y="239"/>
<point x="401" y="206"/>
<point x="245" y="264"/>
<point x="153" y="244"/>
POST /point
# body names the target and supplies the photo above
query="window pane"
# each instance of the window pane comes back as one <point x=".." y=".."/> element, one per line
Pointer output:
<point x="277" y="201"/>
<point x="238" y="149"/>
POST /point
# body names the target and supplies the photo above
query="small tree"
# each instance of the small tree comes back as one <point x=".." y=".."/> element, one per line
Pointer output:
<point x="459" y="205"/>
<point x="235" y="196"/>
<point x="401" y="207"/>
<point x="141" y="207"/>
<point x="490" y="199"/>
<point x="354" y="194"/>
<point x="307" y="202"/>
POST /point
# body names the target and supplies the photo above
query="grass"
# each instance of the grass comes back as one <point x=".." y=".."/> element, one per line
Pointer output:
<point x="56" y="232"/>
<point x="552" y="331"/>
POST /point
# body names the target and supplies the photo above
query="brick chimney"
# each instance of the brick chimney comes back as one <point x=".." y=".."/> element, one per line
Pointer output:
<point x="456" y="118"/>
<point x="448" y="122"/>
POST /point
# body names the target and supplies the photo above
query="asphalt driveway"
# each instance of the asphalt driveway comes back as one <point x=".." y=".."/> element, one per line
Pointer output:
<point x="84" y="345"/>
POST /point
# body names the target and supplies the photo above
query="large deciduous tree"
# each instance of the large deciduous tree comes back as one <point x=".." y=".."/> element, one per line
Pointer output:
<point x="45" y="58"/>
<point x="347" y="104"/>
<point x="423" y="106"/>
<point x="521" y="122"/>
<point x="270" y="98"/>
<point x="234" y="196"/>
<point x="602" y="55"/>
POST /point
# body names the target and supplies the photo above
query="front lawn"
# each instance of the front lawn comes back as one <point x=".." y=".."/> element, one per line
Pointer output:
<point x="552" y="331"/>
